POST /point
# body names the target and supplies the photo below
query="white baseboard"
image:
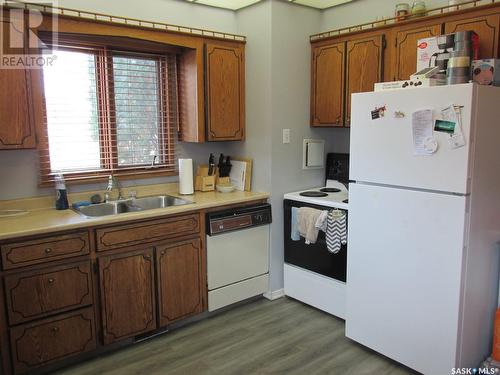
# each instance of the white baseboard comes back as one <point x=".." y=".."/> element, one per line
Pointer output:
<point x="275" y="294"/>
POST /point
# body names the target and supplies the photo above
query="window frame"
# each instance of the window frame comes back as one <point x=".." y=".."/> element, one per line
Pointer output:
<point x="108" y="142"/>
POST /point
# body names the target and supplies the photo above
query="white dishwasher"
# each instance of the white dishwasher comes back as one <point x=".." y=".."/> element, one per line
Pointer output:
<point x="237" y="254"/>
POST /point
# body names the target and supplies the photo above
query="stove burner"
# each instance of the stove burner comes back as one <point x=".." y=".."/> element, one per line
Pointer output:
<point x="315" y="194"/>
<point x="330" y="190"/>
<point x="345" y="201"/>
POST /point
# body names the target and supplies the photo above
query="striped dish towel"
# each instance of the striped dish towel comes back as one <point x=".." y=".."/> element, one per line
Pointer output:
<point x="336" y="232"/>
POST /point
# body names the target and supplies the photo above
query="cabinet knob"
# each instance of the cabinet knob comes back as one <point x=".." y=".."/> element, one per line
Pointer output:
<point x="163" y="252"/>
<point x="337" y="121"/>
<point x="48" y="250"/>
<point x="55" y="329"/>
<point x="147" y="257"/>
<point x="51" y="280"/>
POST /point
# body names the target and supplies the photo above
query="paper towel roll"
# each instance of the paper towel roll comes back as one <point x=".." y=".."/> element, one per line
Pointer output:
<point x="186" y="176"/>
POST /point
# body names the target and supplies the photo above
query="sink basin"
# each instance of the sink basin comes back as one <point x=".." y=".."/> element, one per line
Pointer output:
<point x="131" y="205"/>
<point x="149" y="203"/>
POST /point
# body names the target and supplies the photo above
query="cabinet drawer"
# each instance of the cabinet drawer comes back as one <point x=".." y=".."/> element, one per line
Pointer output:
<point x="33" y="294"/>
<point x="38" y="344"/>
<point x="148" y="231"/>
<point x="20" y="254"/>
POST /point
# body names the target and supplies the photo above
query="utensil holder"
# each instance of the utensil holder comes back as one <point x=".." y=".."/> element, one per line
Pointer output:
<point x="204" y="182"/>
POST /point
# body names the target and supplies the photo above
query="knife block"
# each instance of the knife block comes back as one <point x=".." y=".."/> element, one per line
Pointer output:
<point x="204" y="182"/>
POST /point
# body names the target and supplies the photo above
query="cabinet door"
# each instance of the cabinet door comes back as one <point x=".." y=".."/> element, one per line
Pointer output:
<point x="486" y="27"/>
<point x="181" y="282"/>
<point x="127" y="294"/>
<point x="364" y="67"/>
<point x="406" y="48"/>
<point x="17" y="130"/>
<point x="43" y="342"/>
<point x="327" y="85"/>
<point x="225" y="89"/>
<point x="34" y="294"/>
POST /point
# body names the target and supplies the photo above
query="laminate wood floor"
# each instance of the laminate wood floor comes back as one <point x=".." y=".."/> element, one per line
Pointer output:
<point x="262" y="337"/>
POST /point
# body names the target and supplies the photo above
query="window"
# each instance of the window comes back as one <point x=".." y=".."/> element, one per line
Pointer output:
<point x="109" y="110"/>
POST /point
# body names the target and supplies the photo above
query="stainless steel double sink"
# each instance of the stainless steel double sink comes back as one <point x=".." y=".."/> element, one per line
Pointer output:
<point x="131" y="205"/>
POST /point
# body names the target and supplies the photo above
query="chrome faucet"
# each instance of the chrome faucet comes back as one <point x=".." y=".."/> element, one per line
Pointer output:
<point x="113" y="184"/>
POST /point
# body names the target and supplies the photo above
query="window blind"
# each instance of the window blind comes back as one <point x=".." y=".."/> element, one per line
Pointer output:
<point x="108" y="110"/>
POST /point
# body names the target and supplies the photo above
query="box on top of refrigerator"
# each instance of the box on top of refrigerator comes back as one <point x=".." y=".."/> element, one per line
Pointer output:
<point x="486" y="72"/>
<point x="426" y="48"/>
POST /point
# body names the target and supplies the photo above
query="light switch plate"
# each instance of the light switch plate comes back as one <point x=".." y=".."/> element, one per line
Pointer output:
<point x="286" y="136"/>
<point x="313" y="154"/>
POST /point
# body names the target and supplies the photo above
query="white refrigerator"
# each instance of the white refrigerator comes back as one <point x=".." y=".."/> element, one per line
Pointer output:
<point x="424" y="230"/>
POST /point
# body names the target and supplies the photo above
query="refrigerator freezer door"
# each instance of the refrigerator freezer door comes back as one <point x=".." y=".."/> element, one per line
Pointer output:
<point x="382" y="149"/>
<point x="403" y="274"/>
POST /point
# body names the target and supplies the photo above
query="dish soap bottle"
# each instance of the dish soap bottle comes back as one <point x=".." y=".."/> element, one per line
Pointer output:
<point x="61" y="193"/>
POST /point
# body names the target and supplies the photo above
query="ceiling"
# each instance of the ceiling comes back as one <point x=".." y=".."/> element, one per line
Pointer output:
<point x="237" y="4"/>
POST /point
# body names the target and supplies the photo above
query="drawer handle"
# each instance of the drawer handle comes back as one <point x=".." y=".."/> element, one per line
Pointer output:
<point x="55" y="329"/>
<point x="48" y="250"/>
<point x="51" y="280"/>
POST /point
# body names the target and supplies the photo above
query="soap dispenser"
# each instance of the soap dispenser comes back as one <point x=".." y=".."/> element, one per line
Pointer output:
<point x="61" y="193"/>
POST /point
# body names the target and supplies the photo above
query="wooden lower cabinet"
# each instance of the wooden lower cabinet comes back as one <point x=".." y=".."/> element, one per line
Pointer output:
<point x="42" y="250"/>
<point x="75" y="299"/>
<point x="41" y="343"/>
<point x="181" y="283"/>
<point x="32" y="295"/>
<point x="127" y="294"/>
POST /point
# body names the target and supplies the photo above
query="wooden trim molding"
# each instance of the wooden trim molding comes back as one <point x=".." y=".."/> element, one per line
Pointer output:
<point x="433" y="13"/>
<point x="130" y="22"/>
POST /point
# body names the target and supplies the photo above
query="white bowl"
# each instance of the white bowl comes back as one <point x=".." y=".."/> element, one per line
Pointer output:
<point x="225" y="188"/>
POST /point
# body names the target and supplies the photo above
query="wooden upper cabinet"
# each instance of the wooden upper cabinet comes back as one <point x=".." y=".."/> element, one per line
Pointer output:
<point x="181" y="282"/>
<point x="406" y="48"/>
<point x="127" y="294"/>
<point x="327" y="85"/>
<point x="225" y="92"/>
<point x="486" y="27"/>
<point x="17" y="127"/>
<point x="364" y="67"/>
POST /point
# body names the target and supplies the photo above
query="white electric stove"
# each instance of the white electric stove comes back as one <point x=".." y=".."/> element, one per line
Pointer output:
<point x="334" y="195"/>
<point x="312" y="274"/>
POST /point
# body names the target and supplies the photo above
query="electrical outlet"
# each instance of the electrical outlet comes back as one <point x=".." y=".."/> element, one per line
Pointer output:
<point x="286" y="136"/>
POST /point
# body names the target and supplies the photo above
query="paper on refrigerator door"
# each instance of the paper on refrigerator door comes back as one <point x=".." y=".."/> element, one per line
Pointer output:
<point x="453" y="113"/>
<point x="421" y="122"/>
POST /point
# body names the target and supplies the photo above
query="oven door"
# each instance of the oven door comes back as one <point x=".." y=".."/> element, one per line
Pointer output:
<point x="313" y="257"/>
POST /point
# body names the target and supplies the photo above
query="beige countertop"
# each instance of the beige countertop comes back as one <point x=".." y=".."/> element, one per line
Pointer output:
<point x="40" y="220"/>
